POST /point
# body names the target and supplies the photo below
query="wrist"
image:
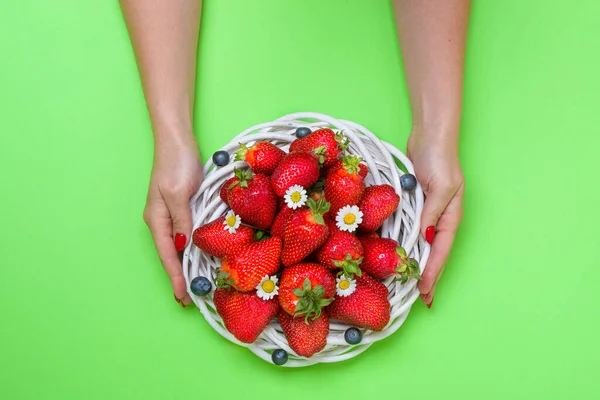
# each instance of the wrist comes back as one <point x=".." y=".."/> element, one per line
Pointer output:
<point x="173" y="133"/>
<point x="436" y="132"/>
<point x="436" y="118"/>
<point x="170" y="125"/>
<point x="435" y="137"/>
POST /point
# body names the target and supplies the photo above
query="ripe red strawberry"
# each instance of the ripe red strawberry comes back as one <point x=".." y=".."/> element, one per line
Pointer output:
<point x="223" y="191"/>
<point x="344" y="186"/>
<point x="324" y="142"/>
<point x="306" y="339"/>
<point x="363" y="170"/>
<point x="305" y="288"/>
<point x="250" y="263"/>
<point x="305" y="232"/>
<point x="263" y="157"/>
<point x="296" y="168"/>
<point x="368" y="307"/>
<point x="384" y="258"/>
<point x="341" y="250"/>
<point x="215" y="240"/>
<point x="377" y="204"/>
<point x="280" y="222"/>
<point x="245" y="315"/>
<point x="252" y="198"/>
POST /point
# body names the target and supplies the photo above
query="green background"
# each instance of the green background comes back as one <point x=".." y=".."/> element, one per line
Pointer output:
<point x="86" y="310"/>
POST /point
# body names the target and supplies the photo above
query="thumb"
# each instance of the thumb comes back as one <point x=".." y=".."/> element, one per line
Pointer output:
<point x="435" y="203"/>
<point x="181" y="215"/>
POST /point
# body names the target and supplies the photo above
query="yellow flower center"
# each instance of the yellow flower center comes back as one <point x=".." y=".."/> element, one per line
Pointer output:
<point x="231" y="220"/>
<point x="268" y="286"/>
<point x="344" y="284"/>
<point x="349" y="219"/>
<point x="296" y="197"/>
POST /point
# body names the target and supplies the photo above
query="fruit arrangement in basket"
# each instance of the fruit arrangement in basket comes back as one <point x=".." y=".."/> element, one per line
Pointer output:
<point x="299" y="245"/>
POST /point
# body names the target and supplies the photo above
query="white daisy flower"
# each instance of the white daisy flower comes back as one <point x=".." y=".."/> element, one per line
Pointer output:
<point x="295" y="197"/>
<point x="348" y="218"/>
<point x="344" y="286"/>
<point x="232" y="222"/>
<point x="267" y="288"/>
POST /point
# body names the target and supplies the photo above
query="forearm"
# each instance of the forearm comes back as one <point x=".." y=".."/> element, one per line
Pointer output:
<point x="164" y="35"/>
<point x="432" y="35"/>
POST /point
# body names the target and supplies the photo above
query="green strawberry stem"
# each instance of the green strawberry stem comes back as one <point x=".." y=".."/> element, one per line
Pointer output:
<point x="243" y="175"/>
<point x="343" y="141"/>
<point x="223" y="280"/>
<point x="318" y="208"/>
<point x="408" y="269"/>
<point x="240" y="155"/>
<point x="320" y="152"/>
<point x="311" y="301"/>
<point x="351" y="164"/>
<point x="349" y="266"/>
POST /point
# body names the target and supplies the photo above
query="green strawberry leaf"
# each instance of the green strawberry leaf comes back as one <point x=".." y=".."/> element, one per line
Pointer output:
<point x="318" y="208"/>
<point x="401" y="252"/>
<point x="240" y="155"/>
<point x="261" y="235"/>
<point x="410" y="270"/>
<point x="343" y="141"/>
<point x="319" y="291"/>
<point x="349" y="266"/>
<point x="306" y="285"/>
<point x="351" y="164"/>
<point x="326" y="302"/>
<point x="243" y="175"/>
<point x="311" y="301"/>
<point x="319" y="219"/>
<point x="223" y="280"/>
<point x="320" y="152"/>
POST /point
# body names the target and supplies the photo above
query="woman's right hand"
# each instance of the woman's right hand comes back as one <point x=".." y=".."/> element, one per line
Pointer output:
<point x="176" y="176"/>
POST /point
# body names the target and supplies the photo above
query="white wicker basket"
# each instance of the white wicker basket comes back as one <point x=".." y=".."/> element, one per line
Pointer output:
<point x="403" y="225"/>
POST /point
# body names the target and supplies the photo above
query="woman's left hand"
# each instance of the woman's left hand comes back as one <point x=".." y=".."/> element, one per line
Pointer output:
<point x="437" y="167"/>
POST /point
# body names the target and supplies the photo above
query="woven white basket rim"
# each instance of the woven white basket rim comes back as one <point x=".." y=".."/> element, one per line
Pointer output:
<point x="403" y="225"/>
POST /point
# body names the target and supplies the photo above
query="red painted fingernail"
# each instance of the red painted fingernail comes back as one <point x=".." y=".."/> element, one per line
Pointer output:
<point x="180" y="241"/>
<point x="430" y="234"/>
<point x="176" y="299"/>
<point x="430" y="304"/>
<point x="182" y="305"/>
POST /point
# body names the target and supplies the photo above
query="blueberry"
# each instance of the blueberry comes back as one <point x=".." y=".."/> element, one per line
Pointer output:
<point x="200" y="286"/>
<point x="352" y="336"/>
<point x="302" y="132"/>
<point x="221" y="158"/>
<point x="408" y="182"/>
<point x="279" y="357"/>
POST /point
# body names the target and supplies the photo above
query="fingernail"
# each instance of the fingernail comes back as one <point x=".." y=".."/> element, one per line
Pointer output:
<point x="182" y="304"/>
<point x="176" y="299"/>
<point x="180" y="241"/>
<point x="430" y="234"/>
<point x="430" y="304"/>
